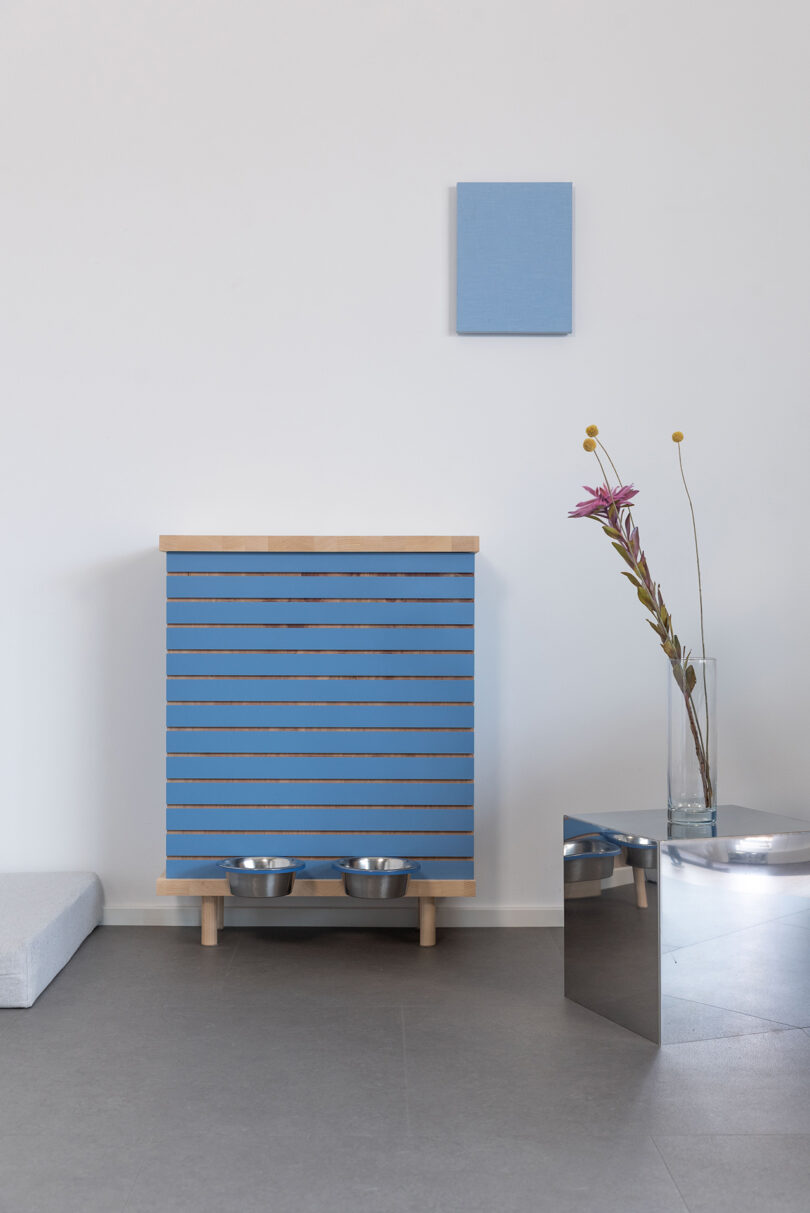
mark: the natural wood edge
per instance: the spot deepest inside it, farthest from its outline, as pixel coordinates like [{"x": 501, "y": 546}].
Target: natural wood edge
[
  {"x": 427, "y": 922},
  {"x": 208, "y": 922},
  {"x": 319, "y": 543},
  {"x": 168, "y": 887}
]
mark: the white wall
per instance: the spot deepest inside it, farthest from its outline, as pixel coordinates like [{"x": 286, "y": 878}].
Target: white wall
[{"x": 226, "y": 294}]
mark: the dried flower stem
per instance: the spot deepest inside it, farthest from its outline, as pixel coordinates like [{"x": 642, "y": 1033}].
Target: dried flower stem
[
  {"x": 700, "y": 593},
  {"x": 625, "y": 539},
  {"x": 697, "y": 551}
]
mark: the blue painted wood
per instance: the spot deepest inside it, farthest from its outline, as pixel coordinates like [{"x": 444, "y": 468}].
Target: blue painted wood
[
  {"x": 319, "y": 819},
  {"x": 379, "y": 676},
  {"x": 305, "y": 766},
  {"x": 318, "y": 869},
  {"x": 369, "y": 665},
  {"x": 268, "y": 585},
  {"x": 319, "y": 638},
  {"x": 321, "y": 716},
  {"x": 320, "y": 562},
  {"x": 191, "y": 610},
  {"x": 266, "y": 793},
  {"x": 320, "y": 690},
  {"x": 337, "y": 741},
  {"x": 447, "y": 846}
]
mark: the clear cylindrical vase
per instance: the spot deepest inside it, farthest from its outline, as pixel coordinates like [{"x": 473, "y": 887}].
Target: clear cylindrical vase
[{"x": 692, "y": 740}]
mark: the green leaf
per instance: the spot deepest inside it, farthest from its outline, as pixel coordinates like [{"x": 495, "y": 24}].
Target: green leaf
[
  {"x": 630, "y": 577},
  {"x": 611, "y": 530},
  {"x": 645, "y": 597},
  {"x": 624, "y": 555},
  {"x": 658, "y": 632}
]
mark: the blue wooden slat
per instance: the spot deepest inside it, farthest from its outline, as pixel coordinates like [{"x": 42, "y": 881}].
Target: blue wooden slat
[
  {"x": 321, "y": 690},
  {"x": 304, "y": 766},
  {"x": 205, "y": 869},
  {"x": 190, "y": 610},
  {"x": 264, "y": 793},
  {"x": 269, "y": 586},
  {"x": 319, "y": 638},
  {"x": 370, "y": 665},
  {"x": 321, "y": 715},
  {"x": 320, "y": 562},
  {"x": 319, "y": 819},
  {"x": 411, "y": 845},
  {"x": 294, "y": 741}
]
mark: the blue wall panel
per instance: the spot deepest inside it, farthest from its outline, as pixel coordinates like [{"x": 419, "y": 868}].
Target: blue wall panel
[{"x": 514, "y": 260}]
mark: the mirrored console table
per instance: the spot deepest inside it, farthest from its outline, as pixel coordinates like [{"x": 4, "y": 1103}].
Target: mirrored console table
[{"x": 699, "y": 932}]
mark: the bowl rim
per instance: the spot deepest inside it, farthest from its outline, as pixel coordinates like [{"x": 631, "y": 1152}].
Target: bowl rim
[
  {"x": 624, "y": 839},
  {"x": 233, "y": 864},
  {"x": 609, "y": 848},
  {"x": 408, "y": 866}
]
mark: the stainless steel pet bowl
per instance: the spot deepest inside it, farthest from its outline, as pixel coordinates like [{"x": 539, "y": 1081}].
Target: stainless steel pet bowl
[
  {"x": 376, "y": 876},
  {"x": 261, "y": 875},
  {"x": 638, "y": 852},
  {"x": 588, "y": 859}
]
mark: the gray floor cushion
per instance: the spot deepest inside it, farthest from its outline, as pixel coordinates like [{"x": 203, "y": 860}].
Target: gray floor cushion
[{"x": 44, "y": 916}]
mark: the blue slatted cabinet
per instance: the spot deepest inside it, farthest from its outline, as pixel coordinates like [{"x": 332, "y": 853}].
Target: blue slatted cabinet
[{"x": 319, "y": 703}]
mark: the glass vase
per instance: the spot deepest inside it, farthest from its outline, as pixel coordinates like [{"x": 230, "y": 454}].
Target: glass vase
[{"x": 692, "y": 740}]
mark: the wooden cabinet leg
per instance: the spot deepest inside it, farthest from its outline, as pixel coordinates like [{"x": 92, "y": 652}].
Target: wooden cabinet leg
[
  {"x": 641, "y": 888},
  {"x": 220, "y": 913},
  {"x": 427, "y": 922},
  {"x": 209, "y": 921}
]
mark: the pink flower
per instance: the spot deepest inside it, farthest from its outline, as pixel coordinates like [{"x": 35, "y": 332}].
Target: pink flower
[{"x": 602, "y": 498}]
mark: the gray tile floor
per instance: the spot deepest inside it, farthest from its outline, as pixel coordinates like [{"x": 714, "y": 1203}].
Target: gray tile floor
[{"x": 345, "y": 1070}]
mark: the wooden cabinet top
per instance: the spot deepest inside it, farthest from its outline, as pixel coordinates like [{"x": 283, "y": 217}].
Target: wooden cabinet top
[{"x": 319, "y": 543}]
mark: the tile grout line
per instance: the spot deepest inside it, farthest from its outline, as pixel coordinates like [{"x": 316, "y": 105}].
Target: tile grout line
[
  {"x": 700, "y": 1040},
  {"x": 669, "y": 1173},
  {"x": 777, "y": 1023},
  {"x": 753, "y": 926},
  {"x": 131, "y": 1192}
]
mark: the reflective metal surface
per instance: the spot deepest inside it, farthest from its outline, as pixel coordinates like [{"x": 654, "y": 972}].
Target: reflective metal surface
[
  {"x": 723, "y": 945},
  {"x": 639, "y": 852},
  {"x": 261, "y": 875},
  {"x": 376, "y": 876},
  {"x": 588, "y": 859}
]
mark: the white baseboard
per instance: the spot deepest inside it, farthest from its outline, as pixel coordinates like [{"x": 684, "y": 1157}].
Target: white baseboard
[{"x": 313, "y": 914}]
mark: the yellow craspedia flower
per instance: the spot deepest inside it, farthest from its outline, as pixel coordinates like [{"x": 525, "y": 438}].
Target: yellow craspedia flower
[
  {"x": 677, "y": 436},
  {"x": 589, "y": 444},
  {"x": 591, "y": 430}
]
